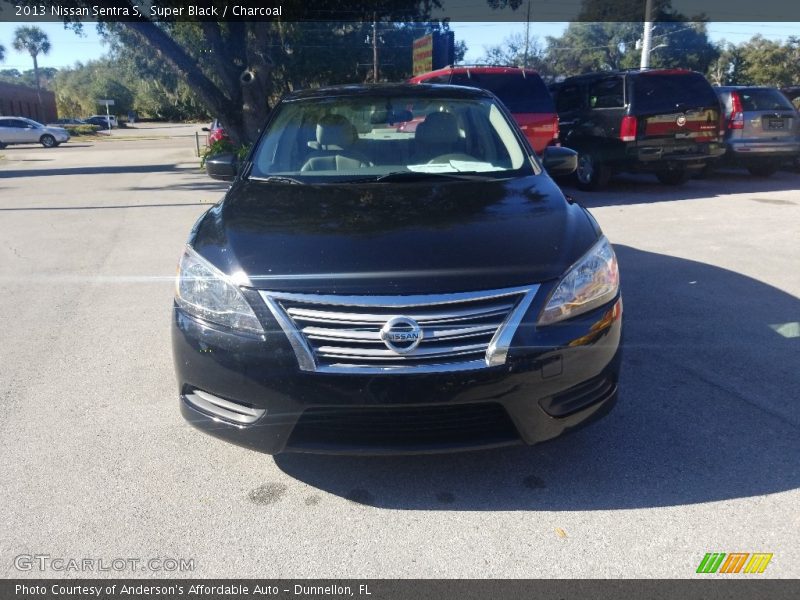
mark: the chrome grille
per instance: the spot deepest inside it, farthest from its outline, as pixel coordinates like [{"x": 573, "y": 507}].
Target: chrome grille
[{"x": 459, "y": 331}]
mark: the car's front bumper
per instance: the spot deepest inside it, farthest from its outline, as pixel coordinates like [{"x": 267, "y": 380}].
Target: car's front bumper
[{"x": 556, "y": 378}]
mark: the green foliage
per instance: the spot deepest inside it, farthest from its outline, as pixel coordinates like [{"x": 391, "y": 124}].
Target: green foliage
[
  {"x": 28, "y": 78},
  {"x": 77, "y": 130},
  {"x": 78, "y": 89},
  {"x": 766, "y": 62},
  {"x": 34, "y": 41},
  {"x": 224, "y": 146},
  {"x": 605, "y": 38},
  {"x": 31, "y": 39}
]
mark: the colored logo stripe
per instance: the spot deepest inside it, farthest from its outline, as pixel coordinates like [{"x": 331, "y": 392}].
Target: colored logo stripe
[
  {"x": 734, "y": 562},
  {"x": 758, "y": 562},
  {"x": 711, "y": 562}
]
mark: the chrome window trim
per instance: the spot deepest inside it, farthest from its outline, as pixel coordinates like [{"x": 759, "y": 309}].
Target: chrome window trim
[{"x": 496, "y": 352}]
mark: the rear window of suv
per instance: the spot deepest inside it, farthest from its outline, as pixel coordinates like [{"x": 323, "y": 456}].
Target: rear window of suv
[
  {"x": 665, "y": 93},
  {"x": 520, "y": 94},
  {"x": 755, "y": 100}
]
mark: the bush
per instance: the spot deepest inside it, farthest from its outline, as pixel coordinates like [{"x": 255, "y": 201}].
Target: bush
[
  {"x": 75, "y": 130},
  {"x": 224, "y": 146}
]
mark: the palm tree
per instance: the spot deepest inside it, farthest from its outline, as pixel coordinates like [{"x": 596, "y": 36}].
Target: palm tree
[{"x": 34, "y": 41}]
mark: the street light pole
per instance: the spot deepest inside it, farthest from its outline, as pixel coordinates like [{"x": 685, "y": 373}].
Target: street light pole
[
  {"x": 374, "y": 48},
  {"x": 647, "y": 35}
]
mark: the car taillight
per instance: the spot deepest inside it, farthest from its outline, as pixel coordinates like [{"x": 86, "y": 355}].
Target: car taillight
[
  {"x": 627, "y": 130},
  {"x": 737, "y": 116},
  {"x": 555, "y": 128}
]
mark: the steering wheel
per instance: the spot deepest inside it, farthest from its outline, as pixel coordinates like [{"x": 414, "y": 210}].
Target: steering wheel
[{"x": 443, "y": 158}]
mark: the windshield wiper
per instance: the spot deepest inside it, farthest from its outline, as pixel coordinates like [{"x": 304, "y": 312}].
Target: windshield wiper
[
  {"x": 401, "y": 175},
  {"x": 278, "y": 179}
]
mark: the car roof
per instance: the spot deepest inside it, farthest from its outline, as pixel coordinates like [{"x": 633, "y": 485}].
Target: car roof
[
  {"x": 488, "y": 69},
  {"x": 394, "y": 89},
  {"x": 729, "y": 88},
  {"x": 633, "y": 72}
]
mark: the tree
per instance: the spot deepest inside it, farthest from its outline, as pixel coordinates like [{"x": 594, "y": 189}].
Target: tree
[
  {"x": 2, "y": 53},
  {"x": 512, "y": 51},
  {"x": 767, "y": 62},
  {"x": 34, "y": 41},
  {"x": 238, "y": 69}
]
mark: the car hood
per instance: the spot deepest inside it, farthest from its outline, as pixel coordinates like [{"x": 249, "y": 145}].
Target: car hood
[{"x": 395, "y": 238}]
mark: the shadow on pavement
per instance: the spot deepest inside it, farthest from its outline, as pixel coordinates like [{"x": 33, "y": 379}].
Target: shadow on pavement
[
  {"x": 707, "y": 411},
  {"x": 645, "y": 189},
  {"x": 111, "y": 170},
  {"x": 165, "y": 205}
]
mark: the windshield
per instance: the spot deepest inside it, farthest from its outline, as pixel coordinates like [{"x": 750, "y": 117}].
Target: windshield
[
  {"x": 35, "y": 124},
  {"x": 366, "y": 138}
]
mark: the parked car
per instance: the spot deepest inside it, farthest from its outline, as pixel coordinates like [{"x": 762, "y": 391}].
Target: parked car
[
  {"x": 521, "y": 90},
  {"x": 762, "y": 128},
  {"x": 216, "y": 132},
  {"x": 21, "y": 130},
  {"x": 103, "y": 121},
  {"x": 62, "y": 122},
  {"x": 663, "y": 121},
  {"x": 363, "y": 289}
]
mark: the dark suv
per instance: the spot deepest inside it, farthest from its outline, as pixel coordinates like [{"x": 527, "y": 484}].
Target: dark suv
[
  {"x": 667, "y": 122},
  {"x": 364, "y": 288},
  {"x": 521, "y": 90}
]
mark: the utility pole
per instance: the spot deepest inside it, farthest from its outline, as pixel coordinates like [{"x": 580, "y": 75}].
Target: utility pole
[
  {"x": 374, "y": 48},
  {"x": 647, "y": 36},
  {"x": 527, "y": 34}
]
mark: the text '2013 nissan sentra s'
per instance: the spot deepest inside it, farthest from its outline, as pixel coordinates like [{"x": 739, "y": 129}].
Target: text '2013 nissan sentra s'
[{"x": 363, "y": 289}]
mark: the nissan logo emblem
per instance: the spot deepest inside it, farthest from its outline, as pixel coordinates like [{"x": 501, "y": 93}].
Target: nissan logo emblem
[{"x": 401, "y": 334}]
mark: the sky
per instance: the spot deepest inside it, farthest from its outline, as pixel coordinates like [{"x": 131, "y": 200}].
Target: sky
[{"x": 69, "y": 47}]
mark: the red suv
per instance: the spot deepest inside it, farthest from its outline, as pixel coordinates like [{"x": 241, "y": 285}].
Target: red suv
[{"x": 521, "y": 90}]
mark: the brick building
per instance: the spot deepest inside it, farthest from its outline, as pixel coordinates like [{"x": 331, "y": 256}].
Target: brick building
[{"x": 22, "y": 101}]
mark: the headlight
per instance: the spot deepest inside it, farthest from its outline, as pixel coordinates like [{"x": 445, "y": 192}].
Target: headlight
[
  {"x": 589, "y": 283},
  {"x": 207, "y": 293}
]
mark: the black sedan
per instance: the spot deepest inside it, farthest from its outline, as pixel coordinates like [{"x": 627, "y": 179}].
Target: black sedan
[{"x": 366, "y": 289}]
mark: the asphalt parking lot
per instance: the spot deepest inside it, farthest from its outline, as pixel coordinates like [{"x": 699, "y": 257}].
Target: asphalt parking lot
[{"x": 700, "y": 455}]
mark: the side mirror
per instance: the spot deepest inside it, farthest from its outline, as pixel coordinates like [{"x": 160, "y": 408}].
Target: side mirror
[
  {"x": 222, "y": 166},
  {"x": 559, "y": 162}
]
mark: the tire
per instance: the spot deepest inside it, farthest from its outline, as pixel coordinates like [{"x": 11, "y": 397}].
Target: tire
[
  {"x": 48, "y": 141},
  {"x": 591, "y": 174},
  {"x": 673, "y": 176},
  {"x": 762, "y": 170}
]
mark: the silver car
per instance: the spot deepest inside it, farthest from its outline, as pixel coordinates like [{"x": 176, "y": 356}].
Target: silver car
[
  {"x": 21, "y": 130},
  {"x": 762, "y": 128}
]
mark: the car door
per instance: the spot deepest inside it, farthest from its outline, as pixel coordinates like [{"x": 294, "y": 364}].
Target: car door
[
  {"x": 5, "y": 131},
  {"x": 29, "y": 133},
  {"x": 15, "y": 131}
]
